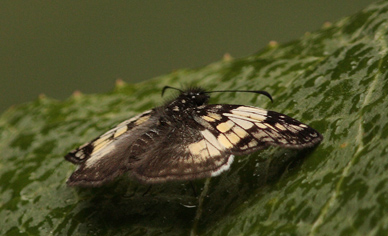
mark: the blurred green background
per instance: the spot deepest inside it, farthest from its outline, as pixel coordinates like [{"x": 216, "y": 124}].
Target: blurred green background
[{"x": 58, "y": 47}]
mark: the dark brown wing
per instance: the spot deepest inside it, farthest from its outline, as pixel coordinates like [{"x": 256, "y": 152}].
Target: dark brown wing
[
  {"x": 180, "y": 153},
  {"x": 106, "y": 157}
]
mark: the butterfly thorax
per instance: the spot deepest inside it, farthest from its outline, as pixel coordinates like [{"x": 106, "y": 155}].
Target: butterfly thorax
[{"x": 187, "y": 101}]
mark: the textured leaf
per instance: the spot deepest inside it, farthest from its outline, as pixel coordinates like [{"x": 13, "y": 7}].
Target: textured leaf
[{"x": 334, "y": 80}]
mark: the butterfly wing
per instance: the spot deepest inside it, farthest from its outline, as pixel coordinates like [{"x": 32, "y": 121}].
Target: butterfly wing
[
  {"x": 202, "y": 146},
  {"x": 245, "y": 129},
  {"x": 106, "y": 157},
  {"x": 205, "y": 145},
  {"x": 180, "y": 152}
]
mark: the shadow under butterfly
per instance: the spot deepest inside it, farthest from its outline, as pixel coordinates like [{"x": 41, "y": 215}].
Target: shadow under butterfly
[{"x": 172, "y": 207}]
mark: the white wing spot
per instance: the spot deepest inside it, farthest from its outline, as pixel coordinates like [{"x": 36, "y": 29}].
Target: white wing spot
[
  {"x": 207, "y": 118},
  {"x": 243, "y": 123},
  {"x": 120, "y": 131},
  {"x": 79, "y": 154},
  {"x": 213, "y": 151},
  {"x": 215, "y": 116},
  {"x": 98, "y": 155},
  {"x": 254, "y": 116},
  {"x": 142, "y": 120},
  {"x": 281, "y": 127},
  {"x": 102, "y": 138},
  {"x": 267, "y": 139},
  {"x": 271, "y": 127},
  {"x": 197, "y": 148},
  {"x": 252, "y": 143},
  {"x": 101, "y": 145},
  {"x": 212, "y": 139},
  {"x": 252, "y": 109},
  {"x": 233, "y": 138},
  {"x": 260, "y": 134},
  {"x": 225, "y": 126},
  {"x": 224, "y": 141},
  {"x": 297, "y": 127},
  {"x": 255, "y": 113},
  {"x": 244, "y": 147},
  {"x": 240, "y": 132},
  {"x": 282, "y": 140},
  {"x": 292, "y": 129},
  {"x": 261, "y": 125}
]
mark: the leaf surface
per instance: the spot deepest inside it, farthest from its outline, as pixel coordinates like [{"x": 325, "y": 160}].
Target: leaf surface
[{"x": 334, "y": 79}]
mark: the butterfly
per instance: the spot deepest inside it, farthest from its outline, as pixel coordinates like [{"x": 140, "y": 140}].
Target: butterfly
[{"x": 185, "y": 139}]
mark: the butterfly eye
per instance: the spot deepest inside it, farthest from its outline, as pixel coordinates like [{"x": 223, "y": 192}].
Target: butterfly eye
[{"x": 200, "y": 98}]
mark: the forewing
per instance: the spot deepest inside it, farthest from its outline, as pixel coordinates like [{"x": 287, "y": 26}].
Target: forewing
[
  {"x": 245, "y": 129},
  {"x": 106, "y": 157}
]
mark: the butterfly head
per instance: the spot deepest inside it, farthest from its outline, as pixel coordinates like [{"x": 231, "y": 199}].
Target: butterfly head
[
  {"x": 191, "y": 97},
  {"x": 195, "y": 96}
]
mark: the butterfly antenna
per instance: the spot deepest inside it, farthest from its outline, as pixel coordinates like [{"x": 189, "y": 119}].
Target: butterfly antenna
[
  {"x": 244, "y": 91},
  {"x": 169, "y": 87}
]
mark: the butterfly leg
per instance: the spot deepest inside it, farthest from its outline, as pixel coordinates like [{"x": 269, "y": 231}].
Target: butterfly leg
[
  {"x": 193, "y": 188},
  {"x": 147, "y": 191}
]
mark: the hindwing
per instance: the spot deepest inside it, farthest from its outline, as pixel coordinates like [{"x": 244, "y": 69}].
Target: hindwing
[{"x": 181, "y": 153}]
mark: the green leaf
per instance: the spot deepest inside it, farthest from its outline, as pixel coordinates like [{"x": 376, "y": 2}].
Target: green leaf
[{"x": 335, "y": 80}]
